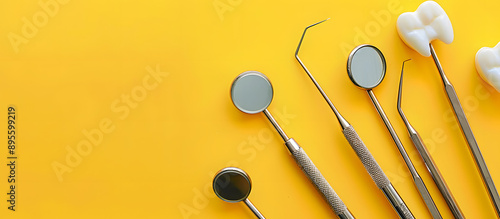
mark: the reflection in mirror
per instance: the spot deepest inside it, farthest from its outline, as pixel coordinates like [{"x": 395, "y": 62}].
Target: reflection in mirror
[
  {"x": 251, "y": 92},
  {"x": 366, "y": 66}
]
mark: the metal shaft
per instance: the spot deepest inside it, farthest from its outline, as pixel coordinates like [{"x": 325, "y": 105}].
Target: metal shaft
[
  {"x": 428, "y": 161},
  {"x": 396, "y": 202},
  {"x": 469, "y": 136},
  {"x": 394, "y": 136},
  {"x": 436, "y": 175},
  {"x": 254, "y": 209},
  {"x": 341, "y": 119},
  {"x": 276, "y": 125},
  {"x": 419, "y": 183}
]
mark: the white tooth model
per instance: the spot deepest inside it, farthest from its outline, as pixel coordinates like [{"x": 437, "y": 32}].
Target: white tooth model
[
  {"x": 427, "y": 23},
  {"x": 488, "y": 65}
]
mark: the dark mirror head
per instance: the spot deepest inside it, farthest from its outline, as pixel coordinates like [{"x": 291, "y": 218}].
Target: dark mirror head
[
  {"x": 232, "y": 184},
  {"x": 251, "y": 92},
  {"x": 366, "y": 66}
]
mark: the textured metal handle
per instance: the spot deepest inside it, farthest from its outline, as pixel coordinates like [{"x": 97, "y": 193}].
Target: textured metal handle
[
  {"x": 317, "y": 179},
  {"x": 366, "y": 157},
  {"x": 376, "y": 172}
]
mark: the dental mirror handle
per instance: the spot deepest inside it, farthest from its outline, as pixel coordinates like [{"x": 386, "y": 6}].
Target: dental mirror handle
[
  {"x": 419, "y": 183},
  {"x": 376, "y": 173},
  {"x": 436, "y": 175},
  {"x": 394, "y": 136},
  {"x": 308, "y": 167},
  {"x": 469, "y": 136},
  {"x": 254, "y": 209}
]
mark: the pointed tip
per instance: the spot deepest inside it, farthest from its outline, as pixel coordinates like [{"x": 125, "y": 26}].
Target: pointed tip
[
  {"x": 324, "y": 20},
  {"x": 403, "y": 65},
  {"x": 317, "y": 23}
]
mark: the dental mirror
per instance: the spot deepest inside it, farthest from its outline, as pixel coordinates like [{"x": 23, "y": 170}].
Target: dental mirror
[
  {"x": 366, "y": 66},
  {"x": 253, "y": 92},
  {"x": 233, "y": 185}
]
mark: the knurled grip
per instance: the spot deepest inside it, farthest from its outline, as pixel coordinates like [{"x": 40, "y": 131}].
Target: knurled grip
[
  {"x": 317, "y": 178},
  {"x": 376, "y": 172},
  {"x": 366, "y": 157}
]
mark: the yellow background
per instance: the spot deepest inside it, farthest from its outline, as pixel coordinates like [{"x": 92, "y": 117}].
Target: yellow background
[{"x": 159, "y": 159}]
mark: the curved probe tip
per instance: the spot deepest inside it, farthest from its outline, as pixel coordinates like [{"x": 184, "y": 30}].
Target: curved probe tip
[
  {"x": 400, "y": 91},
  {"x": 303, "y": 34}
]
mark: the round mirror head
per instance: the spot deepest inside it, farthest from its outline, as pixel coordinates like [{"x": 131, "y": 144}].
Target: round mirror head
[
  {"x": 232, "y": 184},
  {"x": 251, "y": 92},
  {"x": 366, "y": 66}
]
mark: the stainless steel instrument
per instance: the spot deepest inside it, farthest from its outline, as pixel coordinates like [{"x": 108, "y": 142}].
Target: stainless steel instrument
[
  {"x": 426, "y": 157},
  {"x": 369, "y": 162},
  {"x": 469, "y": 136},
  {"x": 232, "y": 184},
  {"x": 252, "y": 92},
  {"x": 366, "y": 68}
]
